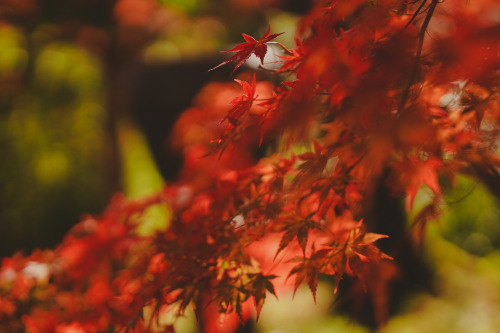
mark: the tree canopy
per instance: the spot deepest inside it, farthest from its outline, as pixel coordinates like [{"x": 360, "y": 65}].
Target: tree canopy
[{"x": 377, "y": 102}]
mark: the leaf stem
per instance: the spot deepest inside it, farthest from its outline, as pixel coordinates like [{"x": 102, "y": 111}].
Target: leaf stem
[
  {"x": 421, "y": 37},
  {"x": 414, "y": 16}
]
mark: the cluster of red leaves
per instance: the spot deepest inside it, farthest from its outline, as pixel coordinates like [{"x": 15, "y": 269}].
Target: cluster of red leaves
[
  {"x": 364, "y": 93},
  {"x": 251, "y": 46}
]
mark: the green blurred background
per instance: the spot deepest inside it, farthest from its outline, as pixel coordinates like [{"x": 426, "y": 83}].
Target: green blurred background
[
  {"x": 89, "y": 90},
  {"x": 79, "y": 78}
]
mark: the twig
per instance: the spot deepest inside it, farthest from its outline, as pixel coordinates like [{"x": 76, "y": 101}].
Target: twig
[
  {"x": 417, "y": 12},
  {"x": 350, "y": 168},
  {"x": 421, "y": 36}
]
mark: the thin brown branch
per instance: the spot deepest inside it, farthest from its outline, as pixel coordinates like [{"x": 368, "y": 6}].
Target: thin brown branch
[
  {"x": 417, "y": 12},
  {"x": 421, "y": 37}
]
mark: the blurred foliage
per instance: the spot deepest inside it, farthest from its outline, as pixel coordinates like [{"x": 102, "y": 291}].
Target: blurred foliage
[
  {"x": 141, "y": 177},
  {"x": 299, "y": 313},
  {"x": 466, "y": 297},
  {"x": 473, "y": 219},
  {"x": 57, "y": 63},
  {"x": 66, "y": 78},
  {"x": 53, "y": 143}
]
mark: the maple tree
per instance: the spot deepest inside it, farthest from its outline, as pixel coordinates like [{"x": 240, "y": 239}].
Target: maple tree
[{"x": 394, "y": 94}]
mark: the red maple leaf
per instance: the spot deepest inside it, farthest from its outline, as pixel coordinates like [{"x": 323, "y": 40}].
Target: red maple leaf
[
  {"x": 422, "y": 172},
  {"x": 293, "y": 57},
  {"x": 242, "y": 104},
  {"x": 245, "y": 50}
]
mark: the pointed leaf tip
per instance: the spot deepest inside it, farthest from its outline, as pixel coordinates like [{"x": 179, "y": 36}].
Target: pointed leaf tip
[
  {"x": 251, "y": 46},
  {"x": 371, "y": 237}
]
